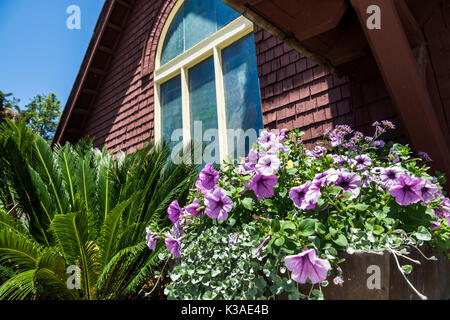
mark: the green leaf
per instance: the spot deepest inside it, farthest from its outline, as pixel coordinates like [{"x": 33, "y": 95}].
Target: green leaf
[
  {"x": 341, "y": 241},
  {"x": 360, "y": 207},
  {"x": 377, "y": 229},
  {"x": 248, "y": 203},
  {"x": 276, "y": 289},
  {"x": 295, "y": 295},
  {"x": 288, "y": 226},
  {"x": 423, "y": 234},
  {"x": 279, "y": 242},
  {"x": 407, "y": 269},
  {"x": 307, "y": 227},
  {"x": 275, "y": 224},
  {"x": 261, "y": 283}
]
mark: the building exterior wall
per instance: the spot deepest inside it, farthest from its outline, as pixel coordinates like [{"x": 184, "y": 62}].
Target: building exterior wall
[
  {"x": 437, "y": 35},
  {"x": 295, "y": 92}
]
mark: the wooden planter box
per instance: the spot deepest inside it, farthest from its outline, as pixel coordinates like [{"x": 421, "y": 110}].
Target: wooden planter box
[{"x": 430, "y": 278}]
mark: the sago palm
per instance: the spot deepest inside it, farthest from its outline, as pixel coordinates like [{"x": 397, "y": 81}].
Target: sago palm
[{"x": 85, "y": 208}]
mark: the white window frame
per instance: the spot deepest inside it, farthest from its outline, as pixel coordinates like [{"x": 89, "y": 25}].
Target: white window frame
[{"x": 211, "y": 46}]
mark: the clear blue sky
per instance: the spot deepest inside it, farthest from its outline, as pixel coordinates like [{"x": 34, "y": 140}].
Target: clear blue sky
[{"x": 38, "y": 53}]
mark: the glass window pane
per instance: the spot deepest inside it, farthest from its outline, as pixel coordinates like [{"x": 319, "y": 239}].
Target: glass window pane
[
  {"x": 224, "y": 14},
  {"x": 199, "y": 22},
  {"x": 242, "y": 95},
  {"x": 172, "y": 118},
  {"x": 174, "y": 42},
  {"x": 203, "y": 103}
]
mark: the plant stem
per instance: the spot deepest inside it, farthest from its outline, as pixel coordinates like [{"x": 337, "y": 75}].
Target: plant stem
[
  {"x": 159, "y": 278},
  {"x": 421, "y": 296}
]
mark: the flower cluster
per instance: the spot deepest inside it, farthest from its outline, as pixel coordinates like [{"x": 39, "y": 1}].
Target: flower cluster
[{"x": 350, "y": 192}]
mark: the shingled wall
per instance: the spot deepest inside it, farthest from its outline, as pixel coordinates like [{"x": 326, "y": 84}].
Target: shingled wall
[{"x": 297, "y": 93}]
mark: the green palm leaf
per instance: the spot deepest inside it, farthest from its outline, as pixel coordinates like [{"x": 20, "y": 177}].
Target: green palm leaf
[
  {"x": 71, "y": 230},
  {"x": 19, "y": 250},
  {"x": 18, "y": 287}
]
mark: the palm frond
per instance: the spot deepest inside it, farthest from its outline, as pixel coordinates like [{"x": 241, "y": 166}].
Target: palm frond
[
  {"x": 18, "y": 250},
  {"x": 19, "y": 287},
  {"x": 46, "y": 166},
  {"x": 71, "y": 231}
]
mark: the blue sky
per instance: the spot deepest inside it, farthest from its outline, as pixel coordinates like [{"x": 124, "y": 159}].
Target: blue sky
[{"x": 38, "y": 53}]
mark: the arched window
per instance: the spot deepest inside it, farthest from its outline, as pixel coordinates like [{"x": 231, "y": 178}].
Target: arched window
[{"x": 206, "y": 80}]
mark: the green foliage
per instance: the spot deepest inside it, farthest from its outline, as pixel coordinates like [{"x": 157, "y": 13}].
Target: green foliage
[
  {"x": 42, "y": 115},
  {"x": 80, "y": 206},
  {"x": 214, "y": 269}
]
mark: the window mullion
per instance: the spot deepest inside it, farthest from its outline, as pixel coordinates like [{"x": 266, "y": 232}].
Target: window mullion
[
  {"x": 221, "y": 112},
  {"x": 157, "y": 114},
  {"x": 186, "y": 112}
]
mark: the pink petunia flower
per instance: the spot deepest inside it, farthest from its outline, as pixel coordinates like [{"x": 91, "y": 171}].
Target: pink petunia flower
[
  {"x": 207, "y": 179},
  {"x": 405, "y": 190},
  {"x": 307, "y": 266},
  {"x": 218, "y": 205},
  {"x": 174, "y": 211},
  {"x": 263, "y": 185}
]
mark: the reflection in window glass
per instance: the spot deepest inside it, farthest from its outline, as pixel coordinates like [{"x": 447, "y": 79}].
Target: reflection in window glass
[
  {"x": 199, "y": 21},
  {"x": 224, "y": 14},
  {"x": 242, "y": 96},
  {"x": 195, "y": 21},
  {"x": 203, "y": 102},
  {"x": 174, "y": 42},
  {"x": 172, "y": 119}
]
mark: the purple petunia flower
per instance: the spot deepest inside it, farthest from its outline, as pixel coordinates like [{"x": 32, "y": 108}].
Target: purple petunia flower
[
  {"x": 218, "y": 204},
  {"x": 390, "y": 175},
  {"x": 261, "y": 245},
  {"x": 444, "y": 212},
  {"x": 177, "y": 230},
  {"x": 435, "y": 225},
  {"x": 342, "y": 160},
  {"x": 363, "y": 162},
  {"x": 253, "y": 157},
  {"x": 321, "y": 179},
  {"x": 281, "y": 134},
  {"x": 268, "y": 164},
  {"x": 263, "y": 185},
  {"x": 174, "y": 211},
  {"x": 427, "y": 190},
  {"x": 405, "y": 190},
  {"x": 173, "y": 245},
  {"x": 265, "y": 138},
  {"x": 207, "y": 179},
  {"x": 350, "y": 182},
  {"x": 299, "y": 196},
  {"x": 307, "y": 266},
  {"x": 151, "y": 239},
  {"x": 193, "y": 208}
]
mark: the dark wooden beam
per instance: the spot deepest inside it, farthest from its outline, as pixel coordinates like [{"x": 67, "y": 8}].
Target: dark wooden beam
[
  {"x": 89, "y": 91},
  {"x": 412, "y": 28},
  {"x": 114, "y": 27},
  {"x": 80, "y": 111},
  {"x": 74, "y": 131},
  {"x": 399, "y": 69},
  {"x": 98, "y": 71},
  {"x": 106, "y": 50},
  {"x": 124, "y": 4}
]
